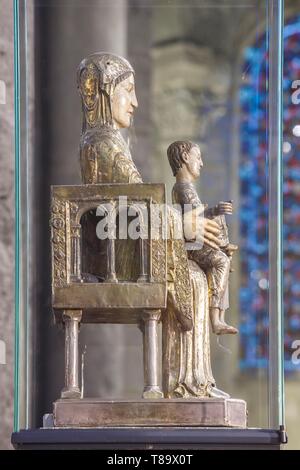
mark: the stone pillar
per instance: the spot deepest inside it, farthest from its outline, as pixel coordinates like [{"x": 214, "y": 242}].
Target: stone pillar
[
  {"x": 189, "y": 100},
  {"x": 141, "y": 138},
  {"x": 6, "y": 222},
  {"x": 66, "y": 32}
]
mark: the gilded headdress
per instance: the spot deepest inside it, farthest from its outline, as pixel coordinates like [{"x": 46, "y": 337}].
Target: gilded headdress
[{"x": 97, "y": 77}]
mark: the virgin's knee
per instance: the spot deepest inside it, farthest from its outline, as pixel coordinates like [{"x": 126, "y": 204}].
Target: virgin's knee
[{"x": 222, "y": 260}]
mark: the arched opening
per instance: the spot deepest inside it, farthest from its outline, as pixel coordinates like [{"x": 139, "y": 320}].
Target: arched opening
[{"x": 114, "y": 244}]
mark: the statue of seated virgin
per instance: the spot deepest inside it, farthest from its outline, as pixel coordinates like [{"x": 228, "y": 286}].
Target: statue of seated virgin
[{"x": 106, "y": 83}]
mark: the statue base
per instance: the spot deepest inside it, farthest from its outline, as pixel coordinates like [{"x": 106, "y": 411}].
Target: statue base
[{"x": 94, "y": 413}]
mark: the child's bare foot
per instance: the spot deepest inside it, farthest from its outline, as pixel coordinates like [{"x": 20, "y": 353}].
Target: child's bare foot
[
  {"x": 224, "y": 329},
  {"x": 227, "y": 329},
  {"x": 218, "y": 324}
]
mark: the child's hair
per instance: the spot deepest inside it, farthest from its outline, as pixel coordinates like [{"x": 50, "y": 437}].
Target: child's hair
[{"x": 175, "y": 151}]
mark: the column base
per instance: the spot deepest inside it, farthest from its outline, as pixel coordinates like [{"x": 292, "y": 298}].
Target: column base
[
  {"x": 70, "y": 393},
  {"x": 152, "y": 392}
]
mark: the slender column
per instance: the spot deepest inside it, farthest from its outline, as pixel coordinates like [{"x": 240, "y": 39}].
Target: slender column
[
  {"x": 111, "y": 251},
  {"x": 150, "y": 346},
  {"x": 143, "y": 277},
  {"x": 71, "y": 320},
  {"x": 111, "y": 262},
  {"x": 75, "y": 253}
]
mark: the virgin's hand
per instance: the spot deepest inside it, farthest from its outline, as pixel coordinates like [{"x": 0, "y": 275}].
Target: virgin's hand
[
  {"x": 198, "y": 228},
  {"x": 211, "y": 230}
]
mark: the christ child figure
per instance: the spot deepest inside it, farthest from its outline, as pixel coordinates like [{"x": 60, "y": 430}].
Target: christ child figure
[{"x": 214, "y": 255}]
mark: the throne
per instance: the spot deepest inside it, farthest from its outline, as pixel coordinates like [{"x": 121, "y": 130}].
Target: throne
[
  {"x": 98, "y": 295},
  {"x": 89, "y": 285}
]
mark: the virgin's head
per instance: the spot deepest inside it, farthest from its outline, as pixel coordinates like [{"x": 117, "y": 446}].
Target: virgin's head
[{"x": 107, "y": 89}]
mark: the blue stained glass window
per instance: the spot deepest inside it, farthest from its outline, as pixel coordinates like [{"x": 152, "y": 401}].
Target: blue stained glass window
[{"x": 254, "y": 199}]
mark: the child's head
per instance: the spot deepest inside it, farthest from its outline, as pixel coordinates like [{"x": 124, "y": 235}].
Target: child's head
[{"x": 185, "y": 156}]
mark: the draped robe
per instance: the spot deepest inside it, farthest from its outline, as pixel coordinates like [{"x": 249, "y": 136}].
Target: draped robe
[{"x": 105, "y": 158}]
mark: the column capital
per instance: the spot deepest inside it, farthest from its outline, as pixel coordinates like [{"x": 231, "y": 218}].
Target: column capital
[
  {"x": 74, "y": 315},
  {"x": 151, "y": 314}
]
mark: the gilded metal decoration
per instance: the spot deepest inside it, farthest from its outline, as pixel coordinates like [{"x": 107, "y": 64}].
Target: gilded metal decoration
[
  {"x": 59, "y": 248},
  {"x": 106, "y": 300},
  {"x": 213, "y": 257},
  {"x": 140, "y": 280},
  {"x": 105, "y": 157}
]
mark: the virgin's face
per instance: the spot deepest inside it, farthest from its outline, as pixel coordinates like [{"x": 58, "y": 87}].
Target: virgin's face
[
  {"x": 194, "y": 162},
  {"x": 124, "y": 102}
]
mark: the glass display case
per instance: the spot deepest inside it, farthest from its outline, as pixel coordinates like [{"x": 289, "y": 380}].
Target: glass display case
[{"x": 206, "y": 73}]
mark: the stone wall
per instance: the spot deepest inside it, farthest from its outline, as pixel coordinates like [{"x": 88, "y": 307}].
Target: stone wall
[{"x": 6, "y": 220}]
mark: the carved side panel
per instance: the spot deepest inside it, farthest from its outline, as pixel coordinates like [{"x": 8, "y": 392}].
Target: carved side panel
[
  {"x": 158, "y": 253},
  {"x": 158, "y": 246},
  {"x": 58, "y": 243},
  {"x": 74, "y": 257}
]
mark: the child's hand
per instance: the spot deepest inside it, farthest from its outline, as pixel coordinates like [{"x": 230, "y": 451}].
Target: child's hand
[
  {"x": 224, "y": 207},
  {"x": 230, "y": 249}
]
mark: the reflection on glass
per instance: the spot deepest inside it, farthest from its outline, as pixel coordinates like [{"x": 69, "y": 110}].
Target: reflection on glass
[{"x": 201, "y": 75}]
